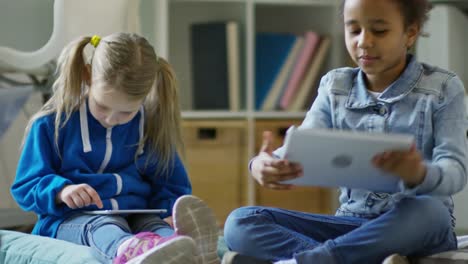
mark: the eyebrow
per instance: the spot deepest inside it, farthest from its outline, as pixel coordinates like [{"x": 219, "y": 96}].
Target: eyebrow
[{"x": 371, "y": 21}]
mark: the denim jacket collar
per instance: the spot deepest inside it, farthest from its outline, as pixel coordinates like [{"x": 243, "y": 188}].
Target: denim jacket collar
[{"x": 359, "y": 97}]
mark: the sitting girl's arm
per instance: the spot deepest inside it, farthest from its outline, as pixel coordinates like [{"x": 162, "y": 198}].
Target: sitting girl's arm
[
  {"x": 446, "y": 173},
  {"x": 37, "y": 184}
]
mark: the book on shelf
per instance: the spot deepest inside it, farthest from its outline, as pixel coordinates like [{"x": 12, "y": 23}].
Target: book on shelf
[
  {"x": 215, "y": 65},
  {"x": 276, "y": 89},
  {"x": 271, "y": 52},
  {"x": 307, "y": 90},
  {"x": 306, "y": 55},
  {"x": 233, "y": 65}
]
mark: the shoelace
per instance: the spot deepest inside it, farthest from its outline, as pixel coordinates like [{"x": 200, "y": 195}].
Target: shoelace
[{"x": 140, "y": 243}]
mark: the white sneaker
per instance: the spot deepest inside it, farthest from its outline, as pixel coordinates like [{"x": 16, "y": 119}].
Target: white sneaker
[
  {"x": 396, "y": 259},
  {"x": 193, "y": 218},
  {"x": 178, "y": 250}
]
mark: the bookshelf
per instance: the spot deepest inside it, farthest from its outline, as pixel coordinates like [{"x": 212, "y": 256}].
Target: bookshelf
[{"x": 173, "y": 20}]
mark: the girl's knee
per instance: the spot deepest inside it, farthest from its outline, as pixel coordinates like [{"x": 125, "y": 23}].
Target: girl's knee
[
  {"x": 236, "y": 217},
  {"x": 425, "y": 210},
  {"x": 236, "y": 229}
]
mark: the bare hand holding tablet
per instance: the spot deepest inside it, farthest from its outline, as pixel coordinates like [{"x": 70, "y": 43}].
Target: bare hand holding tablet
[{"x": 337, "y": 158}]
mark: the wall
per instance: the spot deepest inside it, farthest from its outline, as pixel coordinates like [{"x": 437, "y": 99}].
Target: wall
[{"x": 445, "y": 45}]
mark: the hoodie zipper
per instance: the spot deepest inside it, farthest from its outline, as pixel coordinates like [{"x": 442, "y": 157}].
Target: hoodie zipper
[{"x": 108, "y": 154}]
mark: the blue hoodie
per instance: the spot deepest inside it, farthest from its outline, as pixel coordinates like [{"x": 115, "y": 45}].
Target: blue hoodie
[{"x": 103, "y": 158}]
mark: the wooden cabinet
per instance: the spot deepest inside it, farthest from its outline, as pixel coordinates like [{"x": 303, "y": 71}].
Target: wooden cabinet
[{"x": 216, "y": 163}]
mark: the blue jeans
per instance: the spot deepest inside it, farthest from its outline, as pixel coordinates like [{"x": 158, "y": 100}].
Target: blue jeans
[
  {"x": 104, "y": 233},
  {"x": 416, "y": 226}
]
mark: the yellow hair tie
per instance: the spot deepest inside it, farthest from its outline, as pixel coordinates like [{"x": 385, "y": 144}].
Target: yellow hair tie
[{"x": 95, "y": 40}]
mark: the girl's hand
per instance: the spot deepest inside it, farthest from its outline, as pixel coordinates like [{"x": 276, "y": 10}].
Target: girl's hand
[
  {"x": 269, "y": 171},
  {"x": 78, "y": 196},
  {"x": 408, "y": 165},
  {"x": 169, "y": 221}
]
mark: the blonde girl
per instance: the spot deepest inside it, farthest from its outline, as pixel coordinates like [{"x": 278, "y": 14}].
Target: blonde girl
[{"x": 109, "y": 138}]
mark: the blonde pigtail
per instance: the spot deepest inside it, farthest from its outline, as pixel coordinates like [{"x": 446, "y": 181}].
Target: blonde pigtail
[
  {"x": 162, "y": 110},
  {"x": 67, "y": 88}
]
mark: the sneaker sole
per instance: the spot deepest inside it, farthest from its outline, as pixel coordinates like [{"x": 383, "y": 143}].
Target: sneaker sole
[
  {"x": 193, "y": 218},
  {"x": 395, "y": 259},
  {"x": 180, "y": 250}
]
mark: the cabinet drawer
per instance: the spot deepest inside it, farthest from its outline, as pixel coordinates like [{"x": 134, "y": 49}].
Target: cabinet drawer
[{"x": 216, "y": 163}]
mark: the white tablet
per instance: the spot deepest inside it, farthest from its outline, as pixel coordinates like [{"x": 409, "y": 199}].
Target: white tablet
[
  {"x": 134, "y": 211},
  {"x": 339, "y": 158}
]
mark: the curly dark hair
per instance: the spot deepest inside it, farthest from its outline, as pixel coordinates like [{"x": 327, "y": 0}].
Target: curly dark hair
[{"x": 413, "y": 11}]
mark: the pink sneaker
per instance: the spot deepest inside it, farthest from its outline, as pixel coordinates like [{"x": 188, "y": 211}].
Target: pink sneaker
[
  {"x": 193, "y": 218},
  {"x": 147, "y": 247}
]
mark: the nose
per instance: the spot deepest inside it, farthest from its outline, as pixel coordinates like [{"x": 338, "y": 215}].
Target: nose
[{"x": 365, "y": 40}]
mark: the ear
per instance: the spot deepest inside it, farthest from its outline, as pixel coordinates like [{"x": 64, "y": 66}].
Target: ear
[
  {"x": 412, "y": 33},
  {"x": 87, "y": 77}
]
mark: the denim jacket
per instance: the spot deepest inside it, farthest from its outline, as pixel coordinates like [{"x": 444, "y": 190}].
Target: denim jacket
[{"x": 425, "y": 101}]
